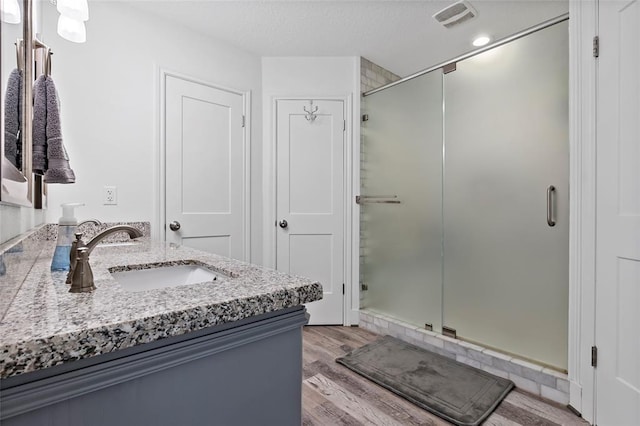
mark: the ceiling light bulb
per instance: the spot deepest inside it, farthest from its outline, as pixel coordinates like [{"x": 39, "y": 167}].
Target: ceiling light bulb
[
  {"x": 74, "y": 9},
  {"x": 10, "y": 11},
  {"x": 72, "y": 29},
  {"x": 481, "y": 41}
]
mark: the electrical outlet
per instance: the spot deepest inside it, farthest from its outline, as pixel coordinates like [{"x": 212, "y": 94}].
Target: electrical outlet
[{"x": 110, "y": 196}]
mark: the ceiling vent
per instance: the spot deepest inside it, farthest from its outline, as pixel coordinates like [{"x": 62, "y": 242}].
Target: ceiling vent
[{"x": 455, "y": 14}]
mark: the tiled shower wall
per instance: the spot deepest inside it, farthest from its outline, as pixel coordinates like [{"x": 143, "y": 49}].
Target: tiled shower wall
[{"x": 372, "y": 76}]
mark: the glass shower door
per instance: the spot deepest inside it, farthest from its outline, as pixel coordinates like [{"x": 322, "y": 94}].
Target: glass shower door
[
  {"x": 401, "y": 202},
  {"x": 506, "y": 197}
]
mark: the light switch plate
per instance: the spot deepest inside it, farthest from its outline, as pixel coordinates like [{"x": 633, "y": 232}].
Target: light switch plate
[{"x": 110, "y": 195}]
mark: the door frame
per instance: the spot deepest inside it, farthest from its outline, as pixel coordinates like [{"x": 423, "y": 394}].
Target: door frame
[
  {"x": 269, "y": 193},
  {"x": 159, "y": 230},
  {"x": 584, "y": 95},
  {"x": 583, "y": 26}
]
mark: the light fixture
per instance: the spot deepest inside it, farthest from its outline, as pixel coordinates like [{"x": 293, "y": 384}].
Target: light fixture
[
  {"x": 73, "y": 14},
  {"x": 481, "y": 40},
  {"x": 72, "y": 29},
  {"x": 10, "y": 11},
  {"x": 74, "y": 9}
]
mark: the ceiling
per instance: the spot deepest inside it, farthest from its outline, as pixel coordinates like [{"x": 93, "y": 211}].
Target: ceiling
[{"x": 399, "y": 35}]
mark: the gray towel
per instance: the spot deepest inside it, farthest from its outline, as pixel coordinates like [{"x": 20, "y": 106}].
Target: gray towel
[
  {"x": 39, "y": 124},
  {"x": 13, "y": 118},
  {"x": 57, "y": 169}
]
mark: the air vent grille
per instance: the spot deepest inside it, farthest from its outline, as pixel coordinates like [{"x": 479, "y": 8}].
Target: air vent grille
[{"x": 455, "y": 14}]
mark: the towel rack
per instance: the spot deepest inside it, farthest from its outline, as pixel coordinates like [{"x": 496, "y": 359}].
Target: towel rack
[
  {"x": 46, "y": 57},
  {"x": 47, "y": 62},
  {"x": 20, "y": 54},
  {"x": 37, "y": 44},
  {"x": 377, "y": 199}
]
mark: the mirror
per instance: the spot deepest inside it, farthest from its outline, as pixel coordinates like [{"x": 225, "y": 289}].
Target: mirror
[{"x": 15, "y": 186}]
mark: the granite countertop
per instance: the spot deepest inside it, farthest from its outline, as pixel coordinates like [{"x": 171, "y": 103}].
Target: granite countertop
[{"x": 45, "y": 325}]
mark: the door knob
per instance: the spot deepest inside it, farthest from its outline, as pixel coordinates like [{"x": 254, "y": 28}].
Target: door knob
[
  {"x": 174, "y": 226},
  {"x": 283, "y": 224}
]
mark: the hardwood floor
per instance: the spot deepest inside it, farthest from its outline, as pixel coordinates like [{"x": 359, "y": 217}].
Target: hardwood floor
[{"x": 334, "y": 395}]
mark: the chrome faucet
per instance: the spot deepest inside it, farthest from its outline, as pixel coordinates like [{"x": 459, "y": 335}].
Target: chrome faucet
[{"x": 80, "y": 274}]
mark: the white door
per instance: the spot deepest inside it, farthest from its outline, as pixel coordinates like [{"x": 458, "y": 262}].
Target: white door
[
  {"x": 205, "y": 167},
  {"x": 310, "y": 199},
  {"x": 618, "y": 215}
]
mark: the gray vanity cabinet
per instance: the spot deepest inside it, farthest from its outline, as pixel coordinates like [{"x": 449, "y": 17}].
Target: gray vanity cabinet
[{"x": 247, "y": 372}]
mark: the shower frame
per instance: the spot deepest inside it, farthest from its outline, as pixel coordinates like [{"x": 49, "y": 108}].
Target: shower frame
[{"x": 446, "y": 66}]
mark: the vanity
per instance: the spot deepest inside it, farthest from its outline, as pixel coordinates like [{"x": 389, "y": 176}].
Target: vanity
[{"x": 226, "y": 351}]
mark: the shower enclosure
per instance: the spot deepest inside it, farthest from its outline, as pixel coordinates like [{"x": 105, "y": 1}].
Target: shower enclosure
[{"x": 465, "y": 199}]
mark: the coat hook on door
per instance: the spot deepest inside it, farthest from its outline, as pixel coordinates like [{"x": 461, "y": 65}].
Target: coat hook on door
[{"x": 310, "y": 113}]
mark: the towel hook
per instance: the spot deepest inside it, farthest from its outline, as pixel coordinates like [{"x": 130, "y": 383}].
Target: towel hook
[
  {"x": 310, "y": 113},
  {"x": 47, "y": 61},
  {"x": 46, "y": 56},
  {"x": 20, "y": 54}
]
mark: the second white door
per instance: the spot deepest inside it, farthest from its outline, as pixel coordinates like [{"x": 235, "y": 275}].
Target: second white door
[
  {"x": 618, "y": 215},
  {"x": 310, "y": 145},
  {"x": 205, "y": 167}
]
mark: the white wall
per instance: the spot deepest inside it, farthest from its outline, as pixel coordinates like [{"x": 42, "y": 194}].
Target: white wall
[
  {"x": 309, "y": 76},
  {"x": 109, "y": 92},
  {"x": 306, "y": 77}
]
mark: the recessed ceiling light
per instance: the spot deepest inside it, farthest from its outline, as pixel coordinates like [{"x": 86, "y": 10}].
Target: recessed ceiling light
[{"x": 481, "y": 41}]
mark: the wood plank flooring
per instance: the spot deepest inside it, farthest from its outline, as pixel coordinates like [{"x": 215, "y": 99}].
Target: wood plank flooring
[{"x": 334, "y": 395}]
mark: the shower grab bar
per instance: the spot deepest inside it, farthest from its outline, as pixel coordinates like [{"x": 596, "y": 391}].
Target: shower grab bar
[
  {"x": 377, "y": 199},
  {"x": 551, "y": 221}
]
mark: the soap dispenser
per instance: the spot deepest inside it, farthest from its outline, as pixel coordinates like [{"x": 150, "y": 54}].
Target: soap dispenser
[{"x": 66, "y": 227}]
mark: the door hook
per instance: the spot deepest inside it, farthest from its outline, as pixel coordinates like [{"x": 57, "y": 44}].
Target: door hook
[{"x": 310, "y": 113}]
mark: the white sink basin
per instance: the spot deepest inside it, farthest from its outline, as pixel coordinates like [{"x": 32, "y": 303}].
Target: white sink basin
[{"x": 163, "y": 277}]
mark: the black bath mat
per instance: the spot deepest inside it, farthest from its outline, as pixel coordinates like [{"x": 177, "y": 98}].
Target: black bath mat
[{"x": 459, "y": 393}]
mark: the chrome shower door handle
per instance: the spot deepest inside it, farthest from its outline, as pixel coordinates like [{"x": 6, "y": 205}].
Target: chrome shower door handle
[
  {"x": 174, "y": 226},
  {"x": 551, "y": 221}
]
